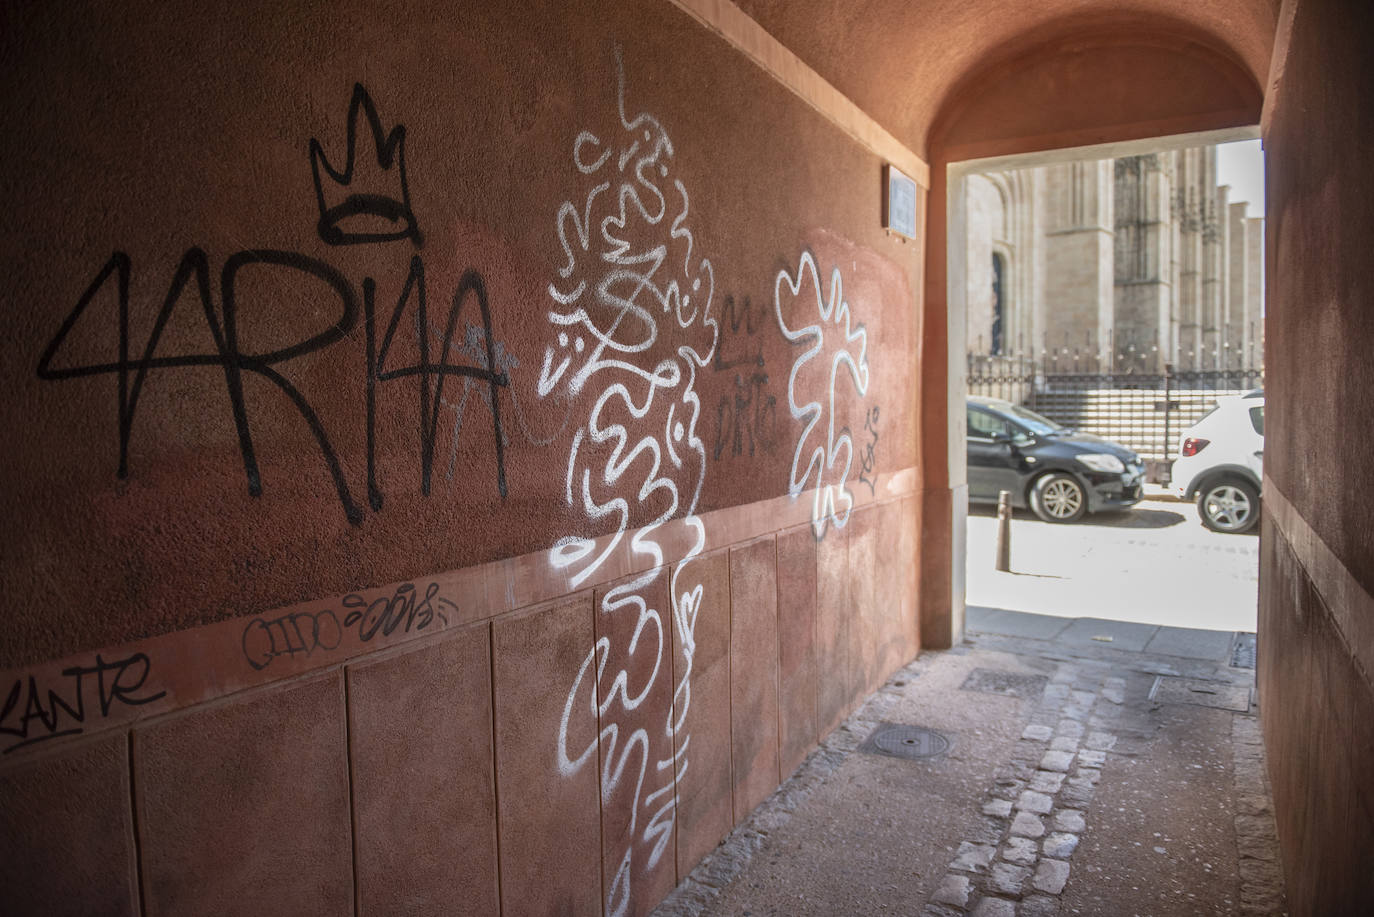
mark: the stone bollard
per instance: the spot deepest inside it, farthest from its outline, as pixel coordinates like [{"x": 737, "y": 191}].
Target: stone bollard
[{"x": 1004, "y": 531}]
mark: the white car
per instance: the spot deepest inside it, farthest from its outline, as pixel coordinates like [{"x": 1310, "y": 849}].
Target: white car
[{"x": 1219, "y": 463}]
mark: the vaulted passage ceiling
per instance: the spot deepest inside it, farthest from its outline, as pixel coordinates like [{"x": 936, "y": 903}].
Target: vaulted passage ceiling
[{"x": 903, "y": 61}]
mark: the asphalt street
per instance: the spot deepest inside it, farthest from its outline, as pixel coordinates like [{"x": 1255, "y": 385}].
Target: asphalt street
[{"x": 1153, "y": 564}]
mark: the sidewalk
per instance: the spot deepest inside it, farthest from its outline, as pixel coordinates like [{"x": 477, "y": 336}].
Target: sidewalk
[
  {"x": 1154, "y": 563},
  {"x": 1039, "y": 769}
]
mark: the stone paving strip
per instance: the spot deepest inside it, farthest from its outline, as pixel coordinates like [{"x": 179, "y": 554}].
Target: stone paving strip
[
  {"x": 1017, "y": 858},
  {"x": 1261, "y": 872},
  {"x": 1033, "y": 816}
]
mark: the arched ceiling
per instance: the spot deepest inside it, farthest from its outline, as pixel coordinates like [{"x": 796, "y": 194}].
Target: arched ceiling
[{"x": 902, "y": 61}]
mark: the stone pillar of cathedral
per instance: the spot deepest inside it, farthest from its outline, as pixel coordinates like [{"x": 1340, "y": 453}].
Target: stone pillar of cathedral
[
  {"x": 1188, "y": 228},
  {"x": 1222, "y": 255},
  {"x": 1235, "y": 344},
  {"x": 1213, "y": 268},
  {"x": 1254, "y": 300},
  {"x": 1143, "y": 255},
  {"x": 1078, "y": 265}
]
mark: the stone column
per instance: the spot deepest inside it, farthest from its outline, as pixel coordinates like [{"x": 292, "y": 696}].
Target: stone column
[
  {"x": 1239, "y": 291},
  {"x": 1254, "y": 299},
  {"x": 1143, "y": 254},
  {"x": 1078, "y": 264}
]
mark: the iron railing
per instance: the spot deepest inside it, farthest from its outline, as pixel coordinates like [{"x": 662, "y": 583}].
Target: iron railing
[{"x": 1142, "y": 410}]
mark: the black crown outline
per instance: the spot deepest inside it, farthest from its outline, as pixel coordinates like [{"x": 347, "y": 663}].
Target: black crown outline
[{"x": 391, "y": 148}]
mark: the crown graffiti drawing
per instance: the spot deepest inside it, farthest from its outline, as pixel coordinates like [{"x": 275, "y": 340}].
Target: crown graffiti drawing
[{"x": 365, "y": 204}]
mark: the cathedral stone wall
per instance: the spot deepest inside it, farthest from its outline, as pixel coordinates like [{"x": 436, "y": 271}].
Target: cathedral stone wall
[{"x": 1132, "y": 263}]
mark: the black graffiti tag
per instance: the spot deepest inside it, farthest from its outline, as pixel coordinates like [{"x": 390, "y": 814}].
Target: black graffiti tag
[
  {"x": 33, "y": 714},
  {"x": 868, "y": 457},
  {"x": 291, "y": 634},
  {"x": 746, "y": 418},
  {"x": 360, "y": 216},
  {"x": 399, "y": 610}
]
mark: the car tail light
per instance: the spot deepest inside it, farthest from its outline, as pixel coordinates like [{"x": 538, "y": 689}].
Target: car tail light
[{"x": 1192, "y": 445}]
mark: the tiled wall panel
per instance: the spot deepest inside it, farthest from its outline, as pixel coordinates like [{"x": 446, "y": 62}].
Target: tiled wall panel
[
  {"x": 754, "y": 672},
  {"x": 66, "y": 833},
  {"x": 548, "y": 810},
  {"x": 423, "y": 783},
  {"x": 704, "y": 813},
  {"x": 243, "y": 807},
  {"x": 796, "y": 647}
]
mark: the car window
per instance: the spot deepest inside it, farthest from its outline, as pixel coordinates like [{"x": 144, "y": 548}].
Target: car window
[
  {"x": 981, "y": 424},
  {"x": 1033, "y": 421},
  {"x": 1257, "y": 419}
]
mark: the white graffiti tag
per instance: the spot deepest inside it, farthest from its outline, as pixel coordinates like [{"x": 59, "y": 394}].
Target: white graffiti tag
[
  {"x": 631, "y": 321},
  {"x": 843, "y": 349}
]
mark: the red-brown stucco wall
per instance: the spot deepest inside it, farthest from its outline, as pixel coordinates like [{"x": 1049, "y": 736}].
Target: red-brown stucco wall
[
  {"x": 1317, "y": 569},
  {"x": 289, "y": 608},
  {"x": 150, "y": 134}
]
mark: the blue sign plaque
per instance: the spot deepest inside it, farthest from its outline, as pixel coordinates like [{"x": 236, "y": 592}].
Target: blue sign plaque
[{"x": 899, "y": 207}]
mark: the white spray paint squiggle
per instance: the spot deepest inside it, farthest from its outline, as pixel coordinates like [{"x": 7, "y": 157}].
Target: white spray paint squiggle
[
  {"x": 833, "y": 501},
  {"x": 632, "y": 326}
]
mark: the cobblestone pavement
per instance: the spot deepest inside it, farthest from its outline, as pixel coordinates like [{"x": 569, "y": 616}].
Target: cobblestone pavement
[{"x": 1081, "y": 777}]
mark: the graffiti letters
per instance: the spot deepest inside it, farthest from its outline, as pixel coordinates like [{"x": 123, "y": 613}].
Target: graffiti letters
[
  {"x": 354, "y": 210},
  {"x": 295, "y": 633},
  {"x": 399, "y": 610},
  {"x": 746, "y": 418},
  {"x": 868, "y": 457},
  {"x": 35, "y": 713},
  {"x": 302, "y": 633},
  {"x": 822, "y": 463}
]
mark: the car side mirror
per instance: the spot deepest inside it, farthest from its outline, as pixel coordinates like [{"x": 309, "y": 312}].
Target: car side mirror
[{"x": 999, "y": 436}]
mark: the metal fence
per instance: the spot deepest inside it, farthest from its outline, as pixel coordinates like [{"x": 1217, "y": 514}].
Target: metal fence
[{"x": 1141, "y": 410}]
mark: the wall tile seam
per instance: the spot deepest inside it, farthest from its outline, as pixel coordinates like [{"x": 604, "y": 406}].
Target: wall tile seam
[
  {"x": 730, "y": 676},
  {"x": 136, "y": 846},
  {"x": 777, "y": 654},
  {"x": 750, "y": 39},
  {"x": 496, "y": 771},
  {"x": 350, "y": 796},
  {"x": 129, "y": 728},
  {"x": 1345, "y": 601},
  {"x": 600, "y": 766}
]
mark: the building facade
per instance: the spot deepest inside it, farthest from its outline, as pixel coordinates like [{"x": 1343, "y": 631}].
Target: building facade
[{"x": 1115, "y": 265}]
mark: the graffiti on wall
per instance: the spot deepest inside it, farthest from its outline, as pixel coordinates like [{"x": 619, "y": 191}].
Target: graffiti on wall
[
  {"x": 85, "y": 694},
  {"x": 747, "y": 416},
  {"x": 868, "y": 456},
  {"x": 360, "y": 620},
  {"x": 631, "y": 321},
  {"x": 365, "y": 202},
  {"x": 836, "y": 355}
]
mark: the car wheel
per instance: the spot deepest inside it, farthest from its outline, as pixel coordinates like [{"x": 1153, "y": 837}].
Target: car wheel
[
  {"x": 1229, "y": 505},
  {"x": 1058, "y": 497}
]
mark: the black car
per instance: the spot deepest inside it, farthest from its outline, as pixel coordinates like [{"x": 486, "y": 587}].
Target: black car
[{"x": 1059, "y": 473}]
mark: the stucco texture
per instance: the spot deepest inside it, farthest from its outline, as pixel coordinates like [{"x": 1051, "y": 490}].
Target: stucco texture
[{"x": 219, "y": 391}]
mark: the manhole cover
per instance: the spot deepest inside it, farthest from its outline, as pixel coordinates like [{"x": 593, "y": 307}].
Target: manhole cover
[
  {"x": 1202, "y": 693},
  {"x": 1243, "y": 656},
  {"x": 901, "y": 741},
  {"x": 1008, "y": 684}
]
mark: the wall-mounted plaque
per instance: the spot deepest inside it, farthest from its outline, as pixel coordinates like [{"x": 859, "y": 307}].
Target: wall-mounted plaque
[{"x": 899, "y": 202}]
